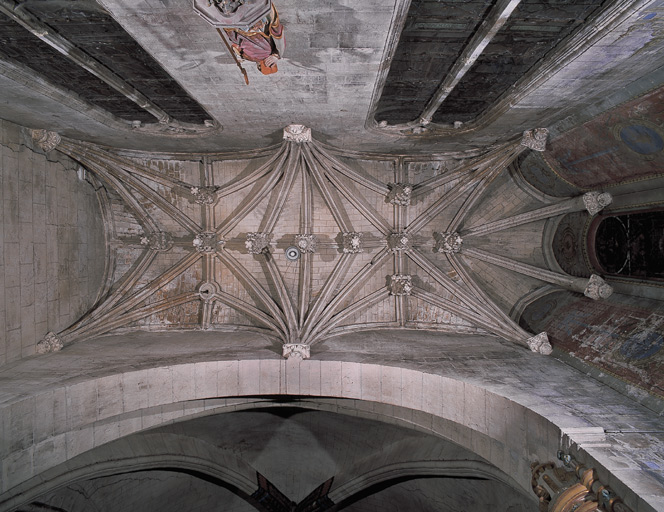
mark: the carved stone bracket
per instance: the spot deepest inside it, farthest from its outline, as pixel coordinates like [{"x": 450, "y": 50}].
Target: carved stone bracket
[
  {"x": 401, "y": 284},
  {"x": 204, "y": 195},
  {"x": 50, "y": 343},
  {"x": 159, "y": 241},
  {"x": 535, "y": 139},
  {"x": 449, "y": 243},
  {"x": 540, "y": 344},
  {"x": 297, "y": 351},
  {"x": 597, "y": 288},
  {"x": 258, "y": 243},
  {"x": 46, "y": 140},
  {"x": 398, "y": 242},
  {"x": 399, "y": 193},
  {"x": 297, "y": 133},
  {"x": 352, "y": 242},
  {"x": 306, "y": 243},
  {"x": 595, "y": 202},
  {"x": 207, "y": 242}
]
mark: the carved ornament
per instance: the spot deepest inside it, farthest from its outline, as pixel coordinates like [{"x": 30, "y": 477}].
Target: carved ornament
[
  {"x": 47, "y": 141},
  {"x": 306, "y": 243},
  {"x": 352, "y": 242},
  {"x": 50, "y": 343},
  {"x": 598, "y": 288},
  {"x": 540, "y": 344},
  {"x": 208, "y": 291},
  {"x": 535, "y": 139},
  {"x": 595, "y": 202},
  {"x": 207, "y": 242},
  {"x": 401, "y": 284},
  {"x": 398, "y": 242},
  {"x": 449, "y": 243},
  {"x": 297, "y": 351},
  {"x": 204, "y": 195},
  {"x": 258, "y": 243},
  {"x": 399, "y": 193},
  {"x": 159, "y": 241},
  {"x": 297, "y": 133}
]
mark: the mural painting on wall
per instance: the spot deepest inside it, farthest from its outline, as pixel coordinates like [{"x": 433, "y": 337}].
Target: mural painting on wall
[
  {"x": 622, "y": 144},
  {"x": 621, "y": 339},
  {"x": 250, "y": 29}
]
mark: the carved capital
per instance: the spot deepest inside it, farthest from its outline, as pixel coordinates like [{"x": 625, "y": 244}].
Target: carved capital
[
  {"x": 401, "y": 284},
  {"x": 297, "y": 351},
  {"x": 50, "y": 343},
  {"x": 535, "y": 139},
  {"x": 204, "y": 195},
  {"x": 46, "y": 140},
  {"x": 597, "y": 288},
  {"x": 540, "y": 344},
  {"x": 297, "y": 133},
  {"x": 159, "y": 241},
  {"x": 258, "y": 243},
  {"x": 398, "y": 242},
  {"x": 595, "y": 202},
  {"x": 399, "y": 193},
  {"x": 449, "y": 243},
  {"x": 207, "y": 242},
  {"x": 352, "y": 242},
  {"x": 306, "y": 243}
]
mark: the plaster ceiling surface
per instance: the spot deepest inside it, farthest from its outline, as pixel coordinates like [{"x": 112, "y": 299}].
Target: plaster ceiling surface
[{"x": 332, "y": 75}]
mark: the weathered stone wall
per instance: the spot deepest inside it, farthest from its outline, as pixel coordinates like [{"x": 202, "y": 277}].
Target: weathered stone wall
[{"x": 51, "y": 244}]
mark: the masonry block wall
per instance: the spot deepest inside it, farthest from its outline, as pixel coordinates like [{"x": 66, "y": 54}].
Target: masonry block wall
[{"x": 52, "y": 252}]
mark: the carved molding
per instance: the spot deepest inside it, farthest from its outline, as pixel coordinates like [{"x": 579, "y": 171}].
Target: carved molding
[
  {"x": 448, "y": 243},
  {"x": 297, "y": 133},
  {"x": 540, "y": 344},
  {"x": 159, "y": 241},
  {"x": 306, "y": 243},
  {"x": 207, "y": 242},
  {"x": 50, "y": 343},
  {"x": 204, "y": 195},
  {"x": 258, "y": 243},
  {"x": 352, "y": 242},
  {"x": 401, "y": 284},
  {"x": 398, "y": 242},
  {"x": 597, "y": 288},
  {"x": 47, "y": 141},
  {"x": 400, "y": 193},
  {"x": 595, "y": 202},
  {"x": 296, "y": 351},
  {"x": 535, "y": 139}
]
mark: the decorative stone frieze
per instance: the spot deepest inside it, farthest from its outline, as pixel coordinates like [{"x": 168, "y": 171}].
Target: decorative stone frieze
[
  {"x": 535, "y": 139},
  {"x": 297, "y": 133},
  {"x": 306, "y": 243},
  {"x": 595, "y": 202},
  {"x": 398, "y": 242},
  {"x": 540, "y": 344},
  {"x": 449, "y": 243},
  {"x": 159, "y": 241},
  {"x": 401, "y": 284},
  {"x": 258, "y": 243},
  {"x": 597, "y": 288},
  {"x": 207, "y": 242},
  {"x": 204, "y": 195},
  {"x": 50, "y": 343},
  {"x": 352, "y": 242},
  {"x": 573, "y": 487},
  {"x": 296, "y": 351},
  {"x": 399, "y": 193},
  {"x": 46, "y": 140}
]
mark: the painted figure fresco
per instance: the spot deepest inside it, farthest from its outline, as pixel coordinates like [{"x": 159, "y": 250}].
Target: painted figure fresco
[{"x": 263, "y": 43}]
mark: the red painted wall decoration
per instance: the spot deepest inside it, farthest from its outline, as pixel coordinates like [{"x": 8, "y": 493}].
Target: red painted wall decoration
[{"x": 622, "y": 144}]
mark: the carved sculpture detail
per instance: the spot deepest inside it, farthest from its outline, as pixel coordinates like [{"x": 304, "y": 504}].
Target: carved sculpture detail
[
  {"x": 535, "y": 139},
  {"x": 401, "y": 284},
  {"x": 47, "y": 141},
  {"x": 50, "y": 343},
  {"x": 399, "y": 242},
  {"x": 306, "y": 243},
  {"x": 400, "y": 193},
  {"x": 297, "y": 133},
  {"x": 297, "y": 351},
  {"x": 207, "y": 242},
  {"x": 449, "y": 243},
  {"x": 540, "y": 344},
  {"x": 204, "y": 195},
  {"x": 595, "y": 202},
  {"x": 159, "y": 241},
  {"x": 598, "y": 288},
  {"x": 352, "y": 242},
  {"x": 258, "y": 243}
]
